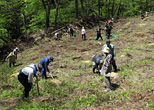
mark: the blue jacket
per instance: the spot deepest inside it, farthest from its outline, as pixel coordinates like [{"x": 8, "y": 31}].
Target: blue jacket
[{"x": 45, "y": 62}]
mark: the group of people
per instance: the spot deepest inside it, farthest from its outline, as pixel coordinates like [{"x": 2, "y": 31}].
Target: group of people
[
  {"x": 26, "y": 74},
  {"x": 105, "y": 67},
  {"x": 108, "y": 28},
  {"x": 146, "y": 15}
]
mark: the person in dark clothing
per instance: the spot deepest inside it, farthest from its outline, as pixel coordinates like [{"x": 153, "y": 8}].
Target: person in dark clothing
[
  {"x": 108, "y": 29},
  {"x": 97, "y": 63},
  {"x": 112, "y": 51},
  {"x": 142, "y": 16},
  {"x": 45, "y": 62},
  {"x": 25, "y": 77},
  {"x": 99, "y": 33},
  {"x": 71, "y": 31}
]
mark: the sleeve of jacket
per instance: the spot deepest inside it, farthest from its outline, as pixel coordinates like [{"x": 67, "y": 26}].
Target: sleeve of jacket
[
  {"x": 103, "y": 49},
  {"x": 108, "y": 62},
  {"x": 114, "y": 51},
  {"x": 46, "y": 65},
  {"x": 30, "y": 76}
]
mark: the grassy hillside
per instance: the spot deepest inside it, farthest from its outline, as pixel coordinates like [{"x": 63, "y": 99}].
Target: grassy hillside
[{"x": 75, "y": 86}]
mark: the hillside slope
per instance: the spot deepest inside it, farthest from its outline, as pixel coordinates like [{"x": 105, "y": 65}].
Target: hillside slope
[{"x": 74, "y": 85}]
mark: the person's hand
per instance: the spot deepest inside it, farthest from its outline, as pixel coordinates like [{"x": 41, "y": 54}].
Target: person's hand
[{"x": 105, "y": 71}]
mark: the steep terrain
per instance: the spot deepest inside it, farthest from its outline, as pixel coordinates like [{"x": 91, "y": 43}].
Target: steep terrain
[{"x": 74, "y": 85}]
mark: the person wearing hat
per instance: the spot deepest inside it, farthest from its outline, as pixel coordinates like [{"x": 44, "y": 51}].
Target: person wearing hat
[
  {"x": 45, "y": 62},
  {"x": 25, "y": 77},
  {"x": 12, "y": 57},
  {"x": 108, "y": 28},
  {"x": 97, "y": 63},
  {"x": 112, "y": 51},
  {"x": 83, "y": 32},
  {"x": 107, "y": 68}
]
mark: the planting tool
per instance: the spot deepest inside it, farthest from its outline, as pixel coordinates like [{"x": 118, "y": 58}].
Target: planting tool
[{"x": 37, "y": 85}]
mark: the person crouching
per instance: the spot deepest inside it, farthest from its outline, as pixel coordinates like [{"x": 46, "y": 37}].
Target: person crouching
[
  {"x": 25, "y": 77},
  {"x": 97, "y": 63}
]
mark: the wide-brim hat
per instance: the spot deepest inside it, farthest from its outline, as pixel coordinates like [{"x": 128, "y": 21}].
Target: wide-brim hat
[{"x": 106, "y": 50}]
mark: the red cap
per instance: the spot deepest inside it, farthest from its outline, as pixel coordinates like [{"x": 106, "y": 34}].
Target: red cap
[{"x": 109, "y": 21}]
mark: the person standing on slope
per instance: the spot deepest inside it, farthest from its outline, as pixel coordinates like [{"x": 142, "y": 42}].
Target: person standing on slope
[
  {"x": 112, "y": 51},
  {"x": 107, "y": 68},
  {"x": 83, "y": 32}
]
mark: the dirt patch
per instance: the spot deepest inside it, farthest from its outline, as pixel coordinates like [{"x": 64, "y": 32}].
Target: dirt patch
[
  {"x": 114, "y": 75},
  {"x": 15, "y": 74},
  {"x": 87, "y": 62},
  {"x": 141, "y": 25},
  {"x": 128, "y": 23},
  {"x": 55, "y": 81}
]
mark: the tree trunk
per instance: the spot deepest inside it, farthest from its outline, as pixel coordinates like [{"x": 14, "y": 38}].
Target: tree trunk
[
  {"x": 109, "y": 9},
  {"x": 133, "y": 3},
  {"x": 147, "y": 7},
  {"x": 44, "y": 4},
  {"x": 76, "y": 8},
  {"x": 87, "y": 7},
  {"x": 113, "y": 9},
  {"x": 119, "y": 9},
  {"x": 24, "y": 22},
  {"x": 83, "y": 10},
  {"x": 47, "y": 11},
  {"x": 99, "y": 6},
  {"x": 48, "y": 14},
  {"x": 56, "y": 16}
]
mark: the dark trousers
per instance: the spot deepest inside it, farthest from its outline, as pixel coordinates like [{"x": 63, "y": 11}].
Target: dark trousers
[
  {"x": 99, "y": 36},
  {"x": 83, "y": 36},
  {"x": 11, "y": 64},
  {"x": 97, "y": 66},
  {"x": 108, "y": 32},
  {"x": 108, "y": 82},
  {"x": 114, "y": 65},
  {"x": 23, "y": 79},
  {"x": 72, "y": 33}
]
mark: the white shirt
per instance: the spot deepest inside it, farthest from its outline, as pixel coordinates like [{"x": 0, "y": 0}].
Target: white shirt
[
  {"x": 56, "y": 35},
  {"x": 28, "y": 70},
  {"x": 83, "y": 31}
]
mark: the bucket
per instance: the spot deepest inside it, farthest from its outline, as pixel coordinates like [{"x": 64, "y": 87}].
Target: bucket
[
  {"x": 74, "y": 34},
  {"x": 95, "y": 38},
  {"x": 114, "y": 36}
]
